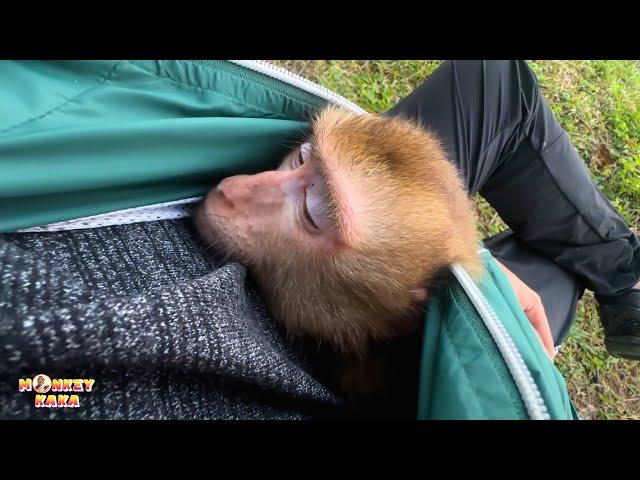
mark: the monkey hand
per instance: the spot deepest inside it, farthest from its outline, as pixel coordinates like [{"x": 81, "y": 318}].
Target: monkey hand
[{"x": 534, "y": 310}]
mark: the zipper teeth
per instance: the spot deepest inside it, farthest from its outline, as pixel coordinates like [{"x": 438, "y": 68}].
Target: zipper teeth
[
  {"x": 245, "y": 73},
  {"x": 531, "y": 396},
  {"x": 266, "y": 68}
]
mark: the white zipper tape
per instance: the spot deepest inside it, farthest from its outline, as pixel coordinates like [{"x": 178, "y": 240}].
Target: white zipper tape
[
  {"x": 147, "y": 213},
  {"x": 291, "y": 78},
  {"x": 531, "y": 396}
]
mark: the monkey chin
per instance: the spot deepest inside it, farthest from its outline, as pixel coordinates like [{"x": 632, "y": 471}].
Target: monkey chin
[{"x": 311, "y": 303}]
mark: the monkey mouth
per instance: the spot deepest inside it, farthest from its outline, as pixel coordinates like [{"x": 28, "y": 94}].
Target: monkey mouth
[
  {"x": 202, "y": 221},
  {"x": 205, "y": 220},
  {"x": 210, "y": 226}
]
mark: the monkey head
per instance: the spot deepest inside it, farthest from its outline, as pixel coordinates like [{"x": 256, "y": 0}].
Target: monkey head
[{"x": 352, "y": 224}]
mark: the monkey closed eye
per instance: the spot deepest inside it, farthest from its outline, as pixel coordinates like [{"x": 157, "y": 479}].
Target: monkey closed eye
[{"x": 307, "y": 216}]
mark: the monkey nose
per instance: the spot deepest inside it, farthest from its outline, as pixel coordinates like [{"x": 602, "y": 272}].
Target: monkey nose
[{"x": 220, "y": 194}]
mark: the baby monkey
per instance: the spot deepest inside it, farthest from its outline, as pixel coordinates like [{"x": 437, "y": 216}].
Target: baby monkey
[{"x": 344, "y": 238}]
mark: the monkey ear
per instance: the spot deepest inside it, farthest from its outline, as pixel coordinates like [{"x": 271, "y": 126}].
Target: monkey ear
[{"x": 418, "y": 294}]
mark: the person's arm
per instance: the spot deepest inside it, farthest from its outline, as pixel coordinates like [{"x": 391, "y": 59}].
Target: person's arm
[
  {"x": 534, "y": 310},
  {"x": 529, "y": 301}
]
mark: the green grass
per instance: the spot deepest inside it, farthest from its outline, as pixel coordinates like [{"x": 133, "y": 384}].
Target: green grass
[{"x": 598, "y": 104}]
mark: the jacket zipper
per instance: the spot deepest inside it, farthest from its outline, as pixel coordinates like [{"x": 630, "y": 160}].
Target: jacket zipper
[
  {"x": 297, "y": 81},
  {"x": 529, "y": 391}
]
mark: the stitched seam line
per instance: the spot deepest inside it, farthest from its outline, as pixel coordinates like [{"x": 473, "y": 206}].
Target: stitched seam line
[
  {"x": 279, "y": 92},
  {"x": 504, "y": 376},
  {"x": 510, "y": 126},
  {"x": 553, "y": 142},
  {"x": 553, "y": 179},
  {"x": 66, "y": 102},
  {"x": 240, "y": 102},
  {"x": 464, "y": 368},
  {"x": 498, "y": 136}
]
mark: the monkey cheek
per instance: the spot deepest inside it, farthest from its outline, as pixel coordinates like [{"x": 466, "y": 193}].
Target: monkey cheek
[{"x": 214, "y": 232}]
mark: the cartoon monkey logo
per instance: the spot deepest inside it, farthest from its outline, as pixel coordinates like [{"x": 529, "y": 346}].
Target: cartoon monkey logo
[{"x": 41, "y": 383}]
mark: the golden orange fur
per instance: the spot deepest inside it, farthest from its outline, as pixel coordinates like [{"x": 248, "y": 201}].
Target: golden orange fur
[{"x": 407, "y": 218}]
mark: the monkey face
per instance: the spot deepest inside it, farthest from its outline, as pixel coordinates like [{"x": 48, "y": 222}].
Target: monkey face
[
  {"x": 346, "y": 227},
  {"x": 247, "y": 215}
]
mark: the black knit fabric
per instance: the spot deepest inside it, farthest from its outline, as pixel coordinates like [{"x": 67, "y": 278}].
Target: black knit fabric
[{"x": 145, "y": 311}]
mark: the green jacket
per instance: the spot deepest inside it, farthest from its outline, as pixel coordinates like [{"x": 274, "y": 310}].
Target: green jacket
[{"x": 86, "y": 138}]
